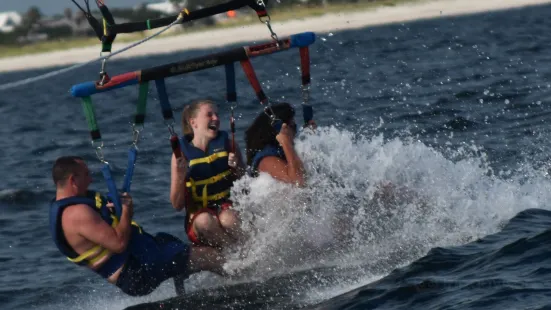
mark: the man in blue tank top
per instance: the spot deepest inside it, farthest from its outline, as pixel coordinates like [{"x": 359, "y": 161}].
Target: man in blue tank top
[{"x": 86, "y": 230}]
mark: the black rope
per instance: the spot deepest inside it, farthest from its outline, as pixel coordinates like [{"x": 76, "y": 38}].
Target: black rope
[
  {"x": 107, "y": 36},
  {"x": 193, "y": 15},
  {"x": 94, "y": 23}
]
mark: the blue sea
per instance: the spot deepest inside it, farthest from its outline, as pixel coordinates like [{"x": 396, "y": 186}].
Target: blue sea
[{"x": 428, "y": 176}]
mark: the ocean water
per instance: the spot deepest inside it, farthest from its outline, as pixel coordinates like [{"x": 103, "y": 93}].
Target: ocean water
[{"x": 428, "y": 177}]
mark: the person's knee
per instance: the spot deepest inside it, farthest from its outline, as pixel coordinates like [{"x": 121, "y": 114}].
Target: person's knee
[
  {"x": 229, "y": 219},
  {"x": 204, "y": 222}
]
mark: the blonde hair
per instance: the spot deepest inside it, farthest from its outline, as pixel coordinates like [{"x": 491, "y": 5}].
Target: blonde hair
[{"x": 190, "y": 111}]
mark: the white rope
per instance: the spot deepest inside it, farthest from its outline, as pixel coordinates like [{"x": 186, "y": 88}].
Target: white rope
[{"x": 54, "y": 73}]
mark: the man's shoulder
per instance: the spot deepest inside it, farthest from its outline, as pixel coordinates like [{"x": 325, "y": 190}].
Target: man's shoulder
[{"x": 78, "y": 212}]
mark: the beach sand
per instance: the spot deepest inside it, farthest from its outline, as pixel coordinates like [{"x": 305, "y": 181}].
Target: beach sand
[{"x": 259, "y": 33}]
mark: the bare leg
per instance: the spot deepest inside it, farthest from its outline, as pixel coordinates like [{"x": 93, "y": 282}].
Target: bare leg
[
  {"x": 229, "y": 220},
  {"x": 208, "y": 230},
  {"x": 200, "y": 259},
  {"x": 206, "y": 259}
]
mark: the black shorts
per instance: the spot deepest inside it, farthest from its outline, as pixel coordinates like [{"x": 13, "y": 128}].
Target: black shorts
[{"x": 171, "y": 259}]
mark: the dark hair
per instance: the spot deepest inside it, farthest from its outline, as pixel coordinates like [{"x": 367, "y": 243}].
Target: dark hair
[
  {"x": 63, "y": 167},
  {"x": 261, "y": 133}
]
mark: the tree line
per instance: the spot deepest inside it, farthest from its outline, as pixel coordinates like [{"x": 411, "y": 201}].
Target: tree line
[{"x": 33, "y": 19}]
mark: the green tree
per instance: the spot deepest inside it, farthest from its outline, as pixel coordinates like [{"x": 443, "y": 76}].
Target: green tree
[{"x": 31, "y": 17}]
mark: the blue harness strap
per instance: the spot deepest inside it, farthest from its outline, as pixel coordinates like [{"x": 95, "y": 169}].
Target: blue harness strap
[
  {"x": 112, "y": 188},
  {"x": 132, "y": 156},
  {"x": 139, "y": 120},
  {"x": 113, "y": 192},
  {"x": 163, "y": 99}
]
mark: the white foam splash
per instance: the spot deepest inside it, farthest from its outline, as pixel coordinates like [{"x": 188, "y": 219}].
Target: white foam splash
[{"x": 346, "y": 216}]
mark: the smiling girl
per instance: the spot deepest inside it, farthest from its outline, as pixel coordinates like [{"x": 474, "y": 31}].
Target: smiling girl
[{"x": 202, "y": 178}]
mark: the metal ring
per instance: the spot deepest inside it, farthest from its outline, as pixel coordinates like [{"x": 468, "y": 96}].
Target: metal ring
[
  {"x": 99, "y": 154},
  {"x": 171, "y": 130}
]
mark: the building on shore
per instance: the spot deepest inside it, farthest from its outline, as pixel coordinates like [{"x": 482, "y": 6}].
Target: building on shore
[{"x": 9, "y": 21}]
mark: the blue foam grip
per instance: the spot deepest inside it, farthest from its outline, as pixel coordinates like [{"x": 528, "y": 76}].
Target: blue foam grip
[
  {"x": 132, "y": 156},
  {"x": 89, "y": 88},
  {"x": 277, "y": 125},
  {"x": 303, "y": 39},
  {"x": 307, "y": 113},
  {"x": 112, "y": 188}
]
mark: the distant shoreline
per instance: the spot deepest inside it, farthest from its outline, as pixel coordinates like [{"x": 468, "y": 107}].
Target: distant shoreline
[{"x": 258, "y": 32}]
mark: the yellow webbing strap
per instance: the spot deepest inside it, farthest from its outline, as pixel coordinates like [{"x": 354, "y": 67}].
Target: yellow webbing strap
[
  {"x": 85, "y": 255},
  {"x": 104, "y": 27},
  {"x": 208, "y": 159},
  {"x": 93, "y": 250},
  {"x": 204, "y": 198},
  {"x": 99, "y": 201},
  {"x": 211, "y": 180}
]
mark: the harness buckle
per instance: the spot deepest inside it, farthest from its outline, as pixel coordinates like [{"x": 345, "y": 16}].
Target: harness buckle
[
  {"x": 136, "y": 129},
  {"x": 266, "y": 20},
  {"x": 270, "y": 113},
  {"x": 99, "y": 151},
  {"x": 103, "y": 76},
  {"x": 170, "y": 126}
]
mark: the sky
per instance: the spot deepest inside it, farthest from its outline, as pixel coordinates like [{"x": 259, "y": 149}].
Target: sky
[{"x": 51, "y": 7}]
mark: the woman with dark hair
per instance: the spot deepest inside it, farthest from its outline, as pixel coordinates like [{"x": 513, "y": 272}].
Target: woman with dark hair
[{"x": 272, "y": 152}]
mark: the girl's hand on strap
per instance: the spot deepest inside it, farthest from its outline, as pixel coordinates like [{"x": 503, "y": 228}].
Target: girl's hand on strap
[
  {"x": 110, "y": 206},
  {"x": 127, "y": 203},
  {"x": 181, "y": 165},
  {"x": 232, "y": 160}
]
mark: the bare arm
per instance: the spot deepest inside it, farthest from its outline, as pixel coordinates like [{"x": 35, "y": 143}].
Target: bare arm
[
  {"x": 178, "y": 169},
  {"x": 88, "y": 224},
  {"x": 280, "y": 170},
  {"x": 289, "y": 171}
]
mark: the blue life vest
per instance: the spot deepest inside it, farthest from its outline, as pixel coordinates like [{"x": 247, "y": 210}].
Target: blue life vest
[
  {"x": 98, "y": 203},
  {"x": 268, "y": 150},
  {"x": 209, "y": 178}
]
